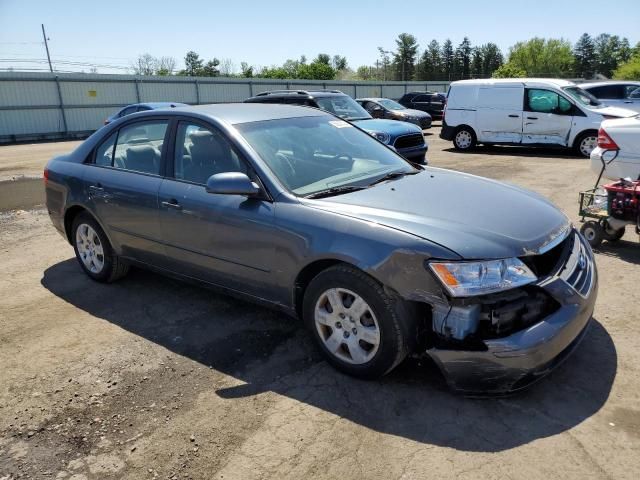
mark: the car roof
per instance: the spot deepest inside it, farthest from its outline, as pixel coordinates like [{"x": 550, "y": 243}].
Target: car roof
[
  {"x": 160, "y": 104},
  {"x": 604, "y": 84},
  {"x": 525, "y": 81},
  {"x": 236, "y": 113},
  {"x": 304, "y": 93}
]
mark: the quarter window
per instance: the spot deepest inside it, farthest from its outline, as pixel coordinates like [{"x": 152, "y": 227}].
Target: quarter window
[
  {"x": 104, "y": 153},
  {"x": 201, "y": 152},
  {"x": 546, "y": 101}
]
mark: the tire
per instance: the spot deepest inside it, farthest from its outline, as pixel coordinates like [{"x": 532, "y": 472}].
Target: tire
[
  {"x": 367, "y": 343},
  {"x": 593, "y": 233},
  {"x": 464, "y": 139},
  {"x": 585, "y": 143},
  {"x": 94, "y": 252},
  {"x": 611, "y": 235}
]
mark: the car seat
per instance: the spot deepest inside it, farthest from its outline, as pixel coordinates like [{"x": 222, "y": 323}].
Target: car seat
[{"x": 142, "y": 158}]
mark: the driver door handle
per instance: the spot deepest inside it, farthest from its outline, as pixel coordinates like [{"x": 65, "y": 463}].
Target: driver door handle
[
  {"x": 173, "y": 203},
  {"x": 532, "y": 118},
  {"x": 514, "y": 116}
]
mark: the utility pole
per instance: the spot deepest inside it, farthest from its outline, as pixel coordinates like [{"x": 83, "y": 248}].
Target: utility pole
[{"x": 46, "y": 46}]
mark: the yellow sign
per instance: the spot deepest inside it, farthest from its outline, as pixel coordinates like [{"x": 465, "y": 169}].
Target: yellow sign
[{"x": 93, "y": 93}]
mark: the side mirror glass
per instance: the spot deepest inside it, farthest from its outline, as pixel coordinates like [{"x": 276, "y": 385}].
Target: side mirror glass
[{"x": 232, "y": 183}]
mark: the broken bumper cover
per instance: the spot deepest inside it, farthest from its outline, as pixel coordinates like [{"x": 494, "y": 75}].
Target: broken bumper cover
[{"x": 516, "y": 361}]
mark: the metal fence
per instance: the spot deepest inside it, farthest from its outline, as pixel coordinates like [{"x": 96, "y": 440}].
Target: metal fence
[{"x": 49, "y": 106}]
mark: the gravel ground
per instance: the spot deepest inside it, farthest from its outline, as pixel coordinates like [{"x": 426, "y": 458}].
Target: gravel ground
[{"x": 152, "y": 378}]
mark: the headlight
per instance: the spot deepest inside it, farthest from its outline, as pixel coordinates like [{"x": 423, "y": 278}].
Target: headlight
[
  {"x": 463, "y": 279},
  {"x": 381, "y": 136}
]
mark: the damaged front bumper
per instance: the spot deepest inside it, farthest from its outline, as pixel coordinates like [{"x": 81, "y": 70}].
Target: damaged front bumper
[{"x": 513, "y": 362}]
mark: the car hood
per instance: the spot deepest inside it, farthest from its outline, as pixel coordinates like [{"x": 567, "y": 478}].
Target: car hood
[
  {"x": 412, "y": 112},
  {"x": 392, "y": 127},
  {"x": 614, "y": 111},
  {"x": 475, "y": 217}
]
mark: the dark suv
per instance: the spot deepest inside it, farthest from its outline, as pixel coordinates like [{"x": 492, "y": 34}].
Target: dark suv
[
  {"x": 406, "y": 138},
  {"x": 430, "y": 102}
]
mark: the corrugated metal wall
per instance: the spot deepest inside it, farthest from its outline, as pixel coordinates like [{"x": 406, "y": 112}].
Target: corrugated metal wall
[{"x": 46, "y": 105}]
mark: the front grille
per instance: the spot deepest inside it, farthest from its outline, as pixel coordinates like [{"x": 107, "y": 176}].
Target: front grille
[
  {"x": 579, "y": 269},
  {"x": 409, "y": 141},
  {"x": 503, "y": 313},
  {"x": 550, "y": 262}
]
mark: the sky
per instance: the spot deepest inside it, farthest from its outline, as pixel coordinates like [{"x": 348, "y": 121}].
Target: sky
[{"x": 264, "y": 33}]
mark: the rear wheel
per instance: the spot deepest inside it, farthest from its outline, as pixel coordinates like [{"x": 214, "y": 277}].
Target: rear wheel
[
  {"x": 360, "y": 328},
  {"x": 464, "y": 139},
  {"x": 585, "y": 143},
  {"x": 94, "y": 252},
  {"x": 593, "y": 233}
]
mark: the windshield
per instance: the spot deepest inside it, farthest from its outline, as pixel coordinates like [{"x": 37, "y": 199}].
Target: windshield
[
  {"x": 344, "y": 107},
  {"x": 313, "y": 154},
  {"x": 391, "y": 105},
  {"x": 583, "y": 97}
]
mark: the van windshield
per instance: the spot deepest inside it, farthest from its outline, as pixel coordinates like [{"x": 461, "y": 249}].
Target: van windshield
[{"x": 583, "y": 97}]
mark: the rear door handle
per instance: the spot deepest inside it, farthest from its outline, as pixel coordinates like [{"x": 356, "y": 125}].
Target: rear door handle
[
  {"x": 173, "y": 203},
  {"x": 532, "y": 118},
  {"x": 514, "y": 116},
  {"x": 96, "y": 188}
]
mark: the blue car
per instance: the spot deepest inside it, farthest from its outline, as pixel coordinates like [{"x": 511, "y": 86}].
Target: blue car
[
  {"x": 300, "y": 210},
  {"x": 406, "y": 138},
  {"x": 141, "y": 107}
]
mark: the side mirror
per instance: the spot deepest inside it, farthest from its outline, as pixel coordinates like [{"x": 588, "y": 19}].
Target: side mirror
[{"x": 232, "y": 183}]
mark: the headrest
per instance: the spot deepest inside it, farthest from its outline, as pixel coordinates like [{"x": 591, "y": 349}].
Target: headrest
[
  {"x": 141, "y": 152},
  {"x": 200, "y": 137}
]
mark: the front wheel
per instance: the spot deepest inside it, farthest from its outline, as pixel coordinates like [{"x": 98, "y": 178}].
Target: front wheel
[
  {"x": 360, "y": 328},
  {"x": 94, "y": 252},
  {"x": 464, "y": 139}
]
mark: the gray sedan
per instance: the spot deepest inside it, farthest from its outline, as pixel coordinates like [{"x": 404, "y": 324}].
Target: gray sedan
[{"x": 300, "y": 210}]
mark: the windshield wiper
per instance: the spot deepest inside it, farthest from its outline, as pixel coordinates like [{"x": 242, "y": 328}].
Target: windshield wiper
[
  {"x": 392, "y": 176},
  {"x": 335, "y": 191}
]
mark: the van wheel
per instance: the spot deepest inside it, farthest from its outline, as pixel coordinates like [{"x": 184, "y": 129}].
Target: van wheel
[
  {"x": 585, "y": 143},
  {"x": 464, "y": 139}
]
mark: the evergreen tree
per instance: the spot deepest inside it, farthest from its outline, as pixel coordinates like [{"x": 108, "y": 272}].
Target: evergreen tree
[
  {"x": 492, "y": 58},
  {"x": 584, "y": 53},
  {"x": 462, "y": 59},
  {"x": 447, "y": 59},
  {"x": 405, "y": 56}
]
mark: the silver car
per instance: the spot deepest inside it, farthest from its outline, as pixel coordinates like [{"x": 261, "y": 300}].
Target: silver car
[{"x": 624, "y": 94}]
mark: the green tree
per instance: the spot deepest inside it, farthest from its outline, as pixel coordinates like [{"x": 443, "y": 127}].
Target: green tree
[
  {"x": 192, "y": 64},
  {"x": 462, "y": 59},
  {"x": 404, "y": 57},
  {"x": 323, "y": 58},
  {"x": 543, "y": 57},
  {"x": 492, "y": 58},
  {"x": 476, "y": 62},
  {"x": 584, "y": 53},
  {"x": 508, "y": 70},
  {"x": 629, "y": 70},
  {"x": 610, "y": 52},
  {"x": 339, "y": 63},
  {"x": 316, "y": 71},
  {"x": 210, "y": 69},
  {"x": 246, "y": 70},
  {"x": 447, "y": 59}
]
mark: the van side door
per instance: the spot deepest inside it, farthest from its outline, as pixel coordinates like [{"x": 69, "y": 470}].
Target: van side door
[
  {"x": 499, "y": 114},
  {"x": 548, "y": 117}
]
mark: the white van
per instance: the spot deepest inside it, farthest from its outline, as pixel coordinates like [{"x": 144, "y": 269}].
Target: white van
[{"x": 524, "y": 111}]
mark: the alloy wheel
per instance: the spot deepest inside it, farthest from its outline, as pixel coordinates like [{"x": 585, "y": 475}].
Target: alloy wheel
[{"x": 89, "y": 248}]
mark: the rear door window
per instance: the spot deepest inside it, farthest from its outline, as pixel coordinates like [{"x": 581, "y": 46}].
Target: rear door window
[
  {"x": 136, "y": 147},
  {"x": 611, "y": 92}
]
